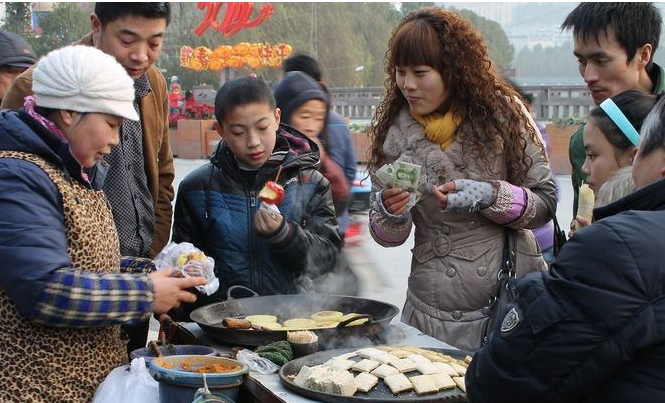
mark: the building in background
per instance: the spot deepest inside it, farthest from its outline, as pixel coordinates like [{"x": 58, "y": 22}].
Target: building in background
[{"x": 39, "y": 11}]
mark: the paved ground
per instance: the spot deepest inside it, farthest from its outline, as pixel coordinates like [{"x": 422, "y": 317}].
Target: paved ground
[{"x": 383, "y": 272}]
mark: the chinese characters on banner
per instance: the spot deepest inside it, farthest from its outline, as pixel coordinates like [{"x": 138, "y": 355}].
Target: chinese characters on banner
[
  {"x": 236, "y": 17},
  {"x": 252, "y": 55}
]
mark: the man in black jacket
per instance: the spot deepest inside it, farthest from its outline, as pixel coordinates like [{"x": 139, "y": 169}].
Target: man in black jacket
[{"x": 592, "y": 329}]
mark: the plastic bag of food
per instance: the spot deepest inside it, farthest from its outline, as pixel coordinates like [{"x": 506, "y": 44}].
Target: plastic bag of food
[
  {"x": 189, "y": 261},
  {"x": 128, "y": 384},
  {"x": 256, "y": 363}
]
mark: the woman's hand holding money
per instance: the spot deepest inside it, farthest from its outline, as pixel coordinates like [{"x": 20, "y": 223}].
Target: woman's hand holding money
[
  {"x": 395, "y": 200},
  {"x": 464, "y": 196}
]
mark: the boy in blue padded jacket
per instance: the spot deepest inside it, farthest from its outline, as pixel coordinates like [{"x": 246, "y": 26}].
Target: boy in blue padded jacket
[{"x": 217, "y": 207}]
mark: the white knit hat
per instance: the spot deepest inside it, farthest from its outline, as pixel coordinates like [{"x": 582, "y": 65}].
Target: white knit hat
[{"x": 84, "y": 79}]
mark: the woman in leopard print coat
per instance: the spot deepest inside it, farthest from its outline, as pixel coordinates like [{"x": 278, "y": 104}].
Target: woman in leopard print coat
[{"x": 63, "y": 289}]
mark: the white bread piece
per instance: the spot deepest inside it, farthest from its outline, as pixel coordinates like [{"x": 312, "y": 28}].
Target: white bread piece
[
  {"x": 384, "y": 371},
  {"x": 365, "y": 365},
  {"x": 460, "y": 382},
  {"x": 398, "y": 383},
  {"x": 443, "y": 381},
  {"x": 405, "y": 365},
  {"x": 445, "y": 368},
  {"x": 366, "y": 381},
  {"x": 424, "y": 384}
]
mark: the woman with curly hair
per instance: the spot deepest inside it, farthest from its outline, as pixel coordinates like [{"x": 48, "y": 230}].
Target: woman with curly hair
[{"x": 484, "y": 168}]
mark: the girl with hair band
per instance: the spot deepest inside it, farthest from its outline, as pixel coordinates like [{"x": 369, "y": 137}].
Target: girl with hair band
[{"x": 611, "y": 137}]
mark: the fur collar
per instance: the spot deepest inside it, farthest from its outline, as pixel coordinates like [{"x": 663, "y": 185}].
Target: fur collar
[{"x": 406, "y": 141}]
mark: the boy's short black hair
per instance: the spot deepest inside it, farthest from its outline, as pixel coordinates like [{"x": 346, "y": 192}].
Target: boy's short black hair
[
  {"x": 239, "y": 92},
  {"x": 305, "y": 63},
  {"x": 109, "y": 12},
  {"x": 634, "y": 24}
]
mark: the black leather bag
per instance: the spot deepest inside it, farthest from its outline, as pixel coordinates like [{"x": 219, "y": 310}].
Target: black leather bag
[
  {"x": 559, "y": 235},
  {"x": 505, "y": 290}
]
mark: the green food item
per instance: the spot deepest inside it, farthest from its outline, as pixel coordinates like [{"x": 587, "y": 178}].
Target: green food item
[
  {"x": 278, "y": 352},
  {"x": 275, "y": 357}
]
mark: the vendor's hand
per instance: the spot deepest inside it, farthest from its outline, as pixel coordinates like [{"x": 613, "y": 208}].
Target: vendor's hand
[
  {"x": 464, "y": 196},
  {"x": 170, "y": 292},
  {"x": 578, "y": 223},
  {"x": 395, "y": 200},
  {"x": 267, "y": 222}
]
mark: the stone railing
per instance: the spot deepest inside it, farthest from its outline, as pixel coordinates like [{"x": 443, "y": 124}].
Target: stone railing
[
  {"x": 549, "y": 103},
  {"x": 356, "y": 103},
  {"x": 560, "y": 102}
]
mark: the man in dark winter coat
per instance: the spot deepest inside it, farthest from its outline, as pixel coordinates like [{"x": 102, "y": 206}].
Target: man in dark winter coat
[{"x": 592, "y": 329}]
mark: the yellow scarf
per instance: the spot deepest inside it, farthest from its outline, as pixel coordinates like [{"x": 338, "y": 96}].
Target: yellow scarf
[{"x": 439, "y": 128}]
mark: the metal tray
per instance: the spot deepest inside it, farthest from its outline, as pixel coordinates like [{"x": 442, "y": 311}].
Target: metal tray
[{"x": 380, "y": 393}]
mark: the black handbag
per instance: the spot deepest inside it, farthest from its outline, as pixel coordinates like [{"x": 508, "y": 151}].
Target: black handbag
[
  {"x": 505, "y": 290},
  {"x": 559, "y": 235}
]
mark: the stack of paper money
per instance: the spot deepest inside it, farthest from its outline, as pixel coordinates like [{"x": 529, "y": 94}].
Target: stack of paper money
[{"x": 402, "y": 175}]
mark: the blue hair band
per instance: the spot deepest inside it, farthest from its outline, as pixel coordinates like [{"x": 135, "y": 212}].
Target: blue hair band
[{"x": 619, "y": 119}]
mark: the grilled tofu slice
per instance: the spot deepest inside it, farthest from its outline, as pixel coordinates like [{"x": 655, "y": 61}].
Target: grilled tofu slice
[
  {"x": 424, "y": 384},
  {"x": 339, "y": 365},
  {"x": 343, "y": 383},
  {"x": 398, "y": 383},
  {"x": 399, "y": 353},
  {"x": 443, "y": 381},
  {"x": 346, "y": 356},
  {"x": 385, "y": 358},
  {"x": 369, "y": 352},
  {"x": 405, "y": 365},
  {"x": 419, "y": 359},
  {"x": 366, "y": 381},
  {"x": 458, "y": 368},
  {"x": 365, "y": 365},
  {"x": 302, "y": 376},
  {"x": 445, "y": 368},
  {"x": 460, "y": 382},
  {"x": 384, "y": 371}
]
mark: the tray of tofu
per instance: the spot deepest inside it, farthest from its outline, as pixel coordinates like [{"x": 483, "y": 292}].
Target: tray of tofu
[{"x": 379, "y": 374}]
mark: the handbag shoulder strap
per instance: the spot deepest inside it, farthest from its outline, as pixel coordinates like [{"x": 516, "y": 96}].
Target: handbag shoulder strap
[
  {"x": 508, "y": 256},
  {"x": 559, "y": 235}
]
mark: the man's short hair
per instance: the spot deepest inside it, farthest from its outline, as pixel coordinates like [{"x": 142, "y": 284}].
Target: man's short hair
[
  {"x": 109, "y": 12},
  {"x": 305, "y": 63},
  {"x": 634, "y": 24},
  {"x": 239, "y": 92}
]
